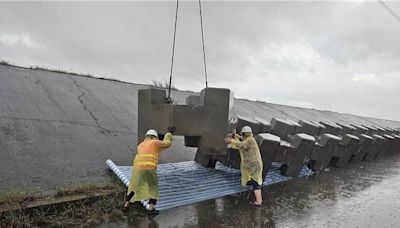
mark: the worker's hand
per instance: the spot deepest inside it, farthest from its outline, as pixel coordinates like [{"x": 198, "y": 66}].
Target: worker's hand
[
  {"x": 172, "y": 129},
  {"x": 227, "y": 140},
  {"x": 230, "y": 135}
]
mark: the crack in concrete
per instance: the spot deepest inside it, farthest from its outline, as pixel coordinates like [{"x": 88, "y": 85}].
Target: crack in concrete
[
  {"x": 104, "y": 131},
  {"x": 130, "y": 148}
]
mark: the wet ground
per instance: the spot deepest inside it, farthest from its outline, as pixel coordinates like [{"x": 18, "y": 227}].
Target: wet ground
[{"x": 360, "y": 195}]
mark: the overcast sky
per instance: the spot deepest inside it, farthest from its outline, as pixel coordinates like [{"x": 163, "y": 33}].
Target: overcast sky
[{"x": 339, "y": 56}]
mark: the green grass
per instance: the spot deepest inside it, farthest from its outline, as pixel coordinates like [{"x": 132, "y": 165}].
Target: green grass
[
  {"x": 84, "y": 213},
  {"x": 83, "y": 188},
  {"x": 16, "y": 198}
]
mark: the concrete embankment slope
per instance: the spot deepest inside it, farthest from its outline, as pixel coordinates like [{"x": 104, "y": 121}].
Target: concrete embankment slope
[{"x": 59, "y": 128}]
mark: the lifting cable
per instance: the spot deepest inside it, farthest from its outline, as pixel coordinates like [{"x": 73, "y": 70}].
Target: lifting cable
[
  {"x": 173, "y": 49},
  {"x": 202, "y": 39},
  {"x": 173, "y": 53}
]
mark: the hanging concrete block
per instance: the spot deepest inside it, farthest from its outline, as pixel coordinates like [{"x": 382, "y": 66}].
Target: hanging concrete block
[
  {"x": 347, "y": 149},
  {"x": 204, "y": 120}
]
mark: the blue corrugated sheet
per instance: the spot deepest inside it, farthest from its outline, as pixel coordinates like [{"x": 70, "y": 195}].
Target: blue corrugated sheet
[{"x": 188, "y": 182}]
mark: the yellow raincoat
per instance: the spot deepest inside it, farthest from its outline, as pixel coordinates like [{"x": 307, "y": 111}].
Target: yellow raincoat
[
  {"x": 251, "y": 165},
  {"x": 144, "y": 180}
]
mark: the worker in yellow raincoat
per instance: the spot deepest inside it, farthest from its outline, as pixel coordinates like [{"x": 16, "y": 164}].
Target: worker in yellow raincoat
[
  {"x": 143, "y": 186},
  {"x": 251, "y": 165}
]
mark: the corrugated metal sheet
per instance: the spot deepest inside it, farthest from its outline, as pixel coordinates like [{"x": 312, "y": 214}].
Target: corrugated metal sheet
[{"x": 187, "y": 182}]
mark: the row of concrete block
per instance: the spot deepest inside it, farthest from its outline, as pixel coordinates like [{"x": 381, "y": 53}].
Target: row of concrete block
[{"x": 316, "y": 144}]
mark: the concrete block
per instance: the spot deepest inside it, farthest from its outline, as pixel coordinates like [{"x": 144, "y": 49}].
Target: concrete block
[
  {"x": 397, "y": 144},
  {"x": 282, "y": 128},
  {"x": 193, "y": 100},
  {"x": 246, "y": 121},
  {"x": 346, "y": 129},
  {"x": 204, "y": 120},
  {"x": 325, "y": 148},
  {"x": 365, "y": 146},
  {"x": 376, "y": 147},
  {"x": 309, "y": 128},
  {"x": 347, "y": 149},
  {"x": 265, "y": 125},
  {"x": 359, "y": 129},
  {"x": 269, "y": 146},
  {"x": 330, "y": 128},
  {"x": 389, "y": 146},
  {"x": 293, "y": 156}
]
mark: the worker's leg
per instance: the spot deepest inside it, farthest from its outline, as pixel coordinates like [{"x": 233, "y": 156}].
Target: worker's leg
[
  {"x": 257, "y": 194},
  {"x": 152, "y": 204},
  {"x": 257, "y": 191},
  {"x": 128, "y": 197}
]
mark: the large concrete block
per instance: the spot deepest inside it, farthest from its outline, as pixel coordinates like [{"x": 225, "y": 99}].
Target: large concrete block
[
  {"x": 265, "y": 125},
  {"x": 246, "y": 121},
  {"x": 388, "y": 147},
  {"x": 330, "y": 128},
  {"x": 381, "y": 130},
  {"x": 346, "y": 129},
  {"x": 377, "y": 146},
  {"x": 193, "y": 100},
  {"x": 204, "y": 121},
  {"x": 323, "y": 151},
  {"x": 397, "y": 144},
  {"x": 359, "y": 129},
  {"x": 282, "y": 128},
  {"x": 294, "y": 155},
  {"x": 365, "y": 146},
  {"x": 309, "y": 128},
  {"x": 269, "y": 147},
  {"x": 347, "y": 149}
]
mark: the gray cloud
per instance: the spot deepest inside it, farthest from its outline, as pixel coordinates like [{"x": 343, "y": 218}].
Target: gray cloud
[{"x": 341, "y": 56}]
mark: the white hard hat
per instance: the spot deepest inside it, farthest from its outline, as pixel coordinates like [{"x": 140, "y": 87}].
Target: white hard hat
[
  {"x": 246, "y": 129},
  {"x": 152, "y": 132}
]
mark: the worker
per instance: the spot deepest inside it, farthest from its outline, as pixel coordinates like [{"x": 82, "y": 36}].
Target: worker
[
  {"x": 143, "y": 186},
  {"x": 251, "y": 163}
]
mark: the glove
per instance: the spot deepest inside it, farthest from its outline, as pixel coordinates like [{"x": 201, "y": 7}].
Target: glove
[{"x": 172, "y": 129}]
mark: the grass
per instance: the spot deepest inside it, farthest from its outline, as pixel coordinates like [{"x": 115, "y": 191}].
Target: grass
[
  {"x": 84, "y": 213},
  {"x": 17, "y": 198},
  {"x": 160, "y": 84},
  {"x": 83, "y": 188},
  {"x": 59, "y": 71},
  {"x": 5, "y": 62}
]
